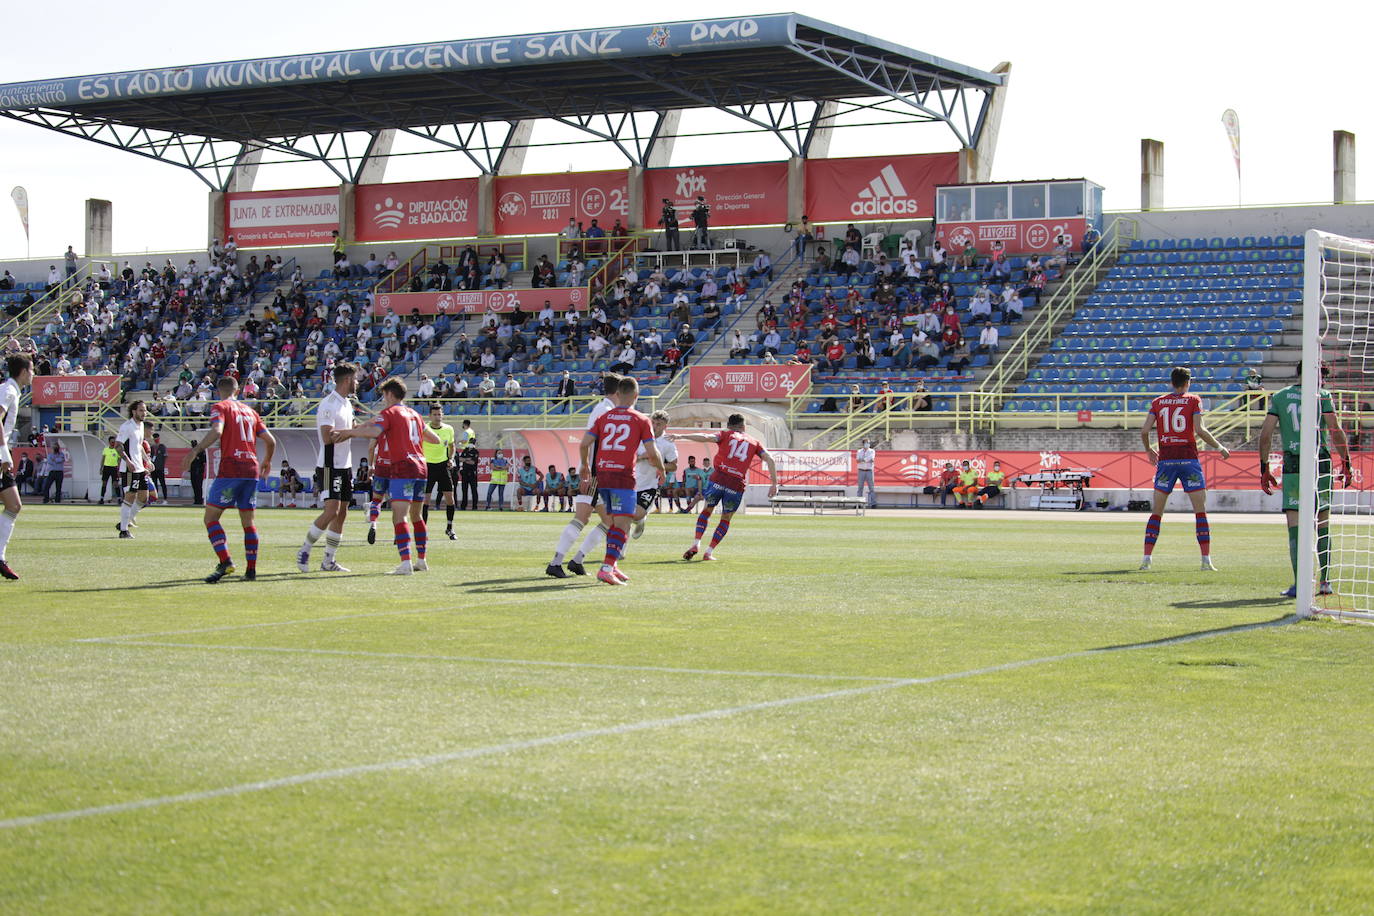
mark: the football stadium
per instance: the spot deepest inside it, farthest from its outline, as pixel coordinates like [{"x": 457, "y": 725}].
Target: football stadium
[{"x": 748, "y": 521}]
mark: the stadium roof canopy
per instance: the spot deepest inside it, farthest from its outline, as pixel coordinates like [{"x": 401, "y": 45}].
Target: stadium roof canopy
[{"x": 785, "y": 74}]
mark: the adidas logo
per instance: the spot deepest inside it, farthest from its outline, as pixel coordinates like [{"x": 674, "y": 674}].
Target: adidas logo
[
  {"x": 389, "y": 214},
  {"x": 885, "y": 196}
]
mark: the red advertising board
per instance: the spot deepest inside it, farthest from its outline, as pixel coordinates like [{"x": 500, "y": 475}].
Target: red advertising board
[
  {"x": 1018, "y": 236},
  {"x": 753, "y": 194},
  {"x": 261, "y": 219},
  {"x": 1111, "y": 470},
  {"x": 748, "y": 383},
  {"x": 415, "y": 210},
  {"x": 51, "y": 390},
  {"x": 881, "y": 188},
  {"x": 467, "y": 302},
  {"x": 542, "y": 204}
]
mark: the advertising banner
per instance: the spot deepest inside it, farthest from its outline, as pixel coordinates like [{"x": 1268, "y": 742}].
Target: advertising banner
[
  {"x": 880, "y": 188},
  {"x": 739, "y": 195},
  {"x": 261, "y": 219},
  {"x": 415, "y": 210},
  {"x": 1018, "y": 236},
  {"x": 1110, "y": 470},
  {"x": 468, "y": 302},
  {"x": 542, "y": 204},
  {"x": 748, "y": 383},
  {"x": 51, "y": 390}
]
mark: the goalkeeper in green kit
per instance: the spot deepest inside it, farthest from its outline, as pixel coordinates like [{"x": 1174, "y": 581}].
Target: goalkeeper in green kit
[{"x": 1285, "y": 413}]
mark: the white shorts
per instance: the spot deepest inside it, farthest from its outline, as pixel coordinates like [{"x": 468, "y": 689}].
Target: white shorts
[{"x": 583, "y": 499}]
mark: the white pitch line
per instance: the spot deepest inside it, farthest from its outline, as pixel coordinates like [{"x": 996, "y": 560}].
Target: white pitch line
[
  {"x": 431, "y": 760},
  {"x": 478, "y": 659}
]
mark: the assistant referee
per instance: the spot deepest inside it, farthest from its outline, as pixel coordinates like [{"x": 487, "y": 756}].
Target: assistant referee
[{"x": 439, "y": 457}]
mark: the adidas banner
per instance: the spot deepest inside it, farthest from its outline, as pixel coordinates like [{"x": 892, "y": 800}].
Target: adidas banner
[
  {"x": 415, "y": 210},
  {"x": 877, "y": 188},
  {"x": 261, "y": 219},
  {"x": 752, "y": 194}
]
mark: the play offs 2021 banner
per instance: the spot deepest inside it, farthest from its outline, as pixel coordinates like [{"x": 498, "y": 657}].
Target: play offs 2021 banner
[{"x": 748, "y": 383}]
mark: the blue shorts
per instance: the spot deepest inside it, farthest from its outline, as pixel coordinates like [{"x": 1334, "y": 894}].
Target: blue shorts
[
  {"x": 729, "y": 499},
  {"x": 1185, "y": 470},
  {"x": 618, "y": 502},
  {"x": 381, "y": 486},
  {"x": 233, "y": 493},
  {"x": 402, "y": 490}
]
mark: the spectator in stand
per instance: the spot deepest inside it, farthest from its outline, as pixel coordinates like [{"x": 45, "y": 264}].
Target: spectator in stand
[
  {"x": 652, "y": 343},
  {"x": 710, "y": 290},
  {"x": 512, "y": 389},
  {"x": 671, "y": 361},
  {"x": 898, "y": 350},
  {"x": 927, "y": 355},
  {"x": 426, "y": 387},
  {"x": 948, "y": 481},
  {"x": 570, "y": 231},
  {"x": 1012, "y": 308},
  {"x": 772, "y": 343},
  {"x": 937, "y": 256},
  {"x": 848, "y": 263},
  {"x": 498, "y": 270},
  {"x": 805, "y": 233},
  {"x": 70, "y": 259},
  {"x": 968, "y": 258},
  {"x": 487, "y": 387},
  {"x": 1090, "y": 239},
  {"x": 625, "y": 360},
  {"x": 686, "y": 340},
  {"x": 762, "y": 266},
  {"x": 801, "y": 356},
  {"x": 853, "y": 238},
  {"x": 389, "y": 265},
  {"x": 544, "y": 275},
  {"x": 834, "y": 357},
  {"x": 1059, "y": 255},
  {"x": 980, "y": 306},
  {"x": 987, "y": 340},
  {"x": 864, "y": 355},
  {"x": 739, "y": 348},
  {"x": 919, "y": 400}
]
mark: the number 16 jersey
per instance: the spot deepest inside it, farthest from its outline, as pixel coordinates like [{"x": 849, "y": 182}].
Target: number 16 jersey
[{"x": 1174, "y": 414}]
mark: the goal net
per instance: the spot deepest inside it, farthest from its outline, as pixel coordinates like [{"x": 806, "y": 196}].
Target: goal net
[{"x": 1335, "y": 573}]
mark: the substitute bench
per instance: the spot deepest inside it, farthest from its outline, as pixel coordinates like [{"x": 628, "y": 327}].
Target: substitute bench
[{"x": 817, "y": 499}]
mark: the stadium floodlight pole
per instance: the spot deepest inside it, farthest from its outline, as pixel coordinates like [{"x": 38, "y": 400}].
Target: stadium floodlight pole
[{"x": 1312, "y": 314}]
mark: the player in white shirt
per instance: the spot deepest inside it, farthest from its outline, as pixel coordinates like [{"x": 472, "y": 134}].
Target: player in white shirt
[
  {"x": 134, "y": 462},
  {"x": 20, "y": 369},
  {"x": 584, "y": 502},
  {"x": 646, "y": 475},
  {"x": 333, "y": 469}
]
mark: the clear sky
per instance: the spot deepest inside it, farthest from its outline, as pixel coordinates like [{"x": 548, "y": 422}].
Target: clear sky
[{"x": 1088, "y": 81}]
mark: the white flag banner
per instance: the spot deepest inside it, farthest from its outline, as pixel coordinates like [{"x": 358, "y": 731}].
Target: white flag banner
[{"x": 21, "y": 203}]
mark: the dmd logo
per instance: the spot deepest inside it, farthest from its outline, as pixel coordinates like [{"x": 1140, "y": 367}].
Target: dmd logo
[
  {"x": 716, "y": 31},
  {"x": 885, "y": 196}
]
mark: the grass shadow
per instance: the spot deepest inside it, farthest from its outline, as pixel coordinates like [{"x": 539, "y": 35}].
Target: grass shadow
[
  {"x": 1200, "y": 634},
  {"x": 199, "y": 580},
  {"x": 1232, "y": 603}
]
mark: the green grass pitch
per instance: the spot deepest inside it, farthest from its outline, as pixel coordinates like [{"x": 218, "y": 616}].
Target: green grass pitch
[{"x": 878, "y": 715}]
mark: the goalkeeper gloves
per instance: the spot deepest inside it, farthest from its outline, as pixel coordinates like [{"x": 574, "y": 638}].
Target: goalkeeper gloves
[{"x": 1267, "y": 481}]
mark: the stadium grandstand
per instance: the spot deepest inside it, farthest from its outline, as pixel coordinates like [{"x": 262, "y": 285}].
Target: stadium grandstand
[{"x": 903, "y": 299}]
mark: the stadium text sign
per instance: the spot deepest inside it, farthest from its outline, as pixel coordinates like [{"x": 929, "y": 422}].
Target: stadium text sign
[
  {"x": 748, "y": 383},
  {"x": 753, "y": 194},
  {"x": 542, "y": 204},
  {"x": 1018, "y": 236},
  {"x": 50, "y": 390},
  {"x": 415, "y": 210},
  {"x": 877, "y": 188},
  {"x": 664, "y": 40},
  {"x": 260, "y": 219},
  {"x": 467, "y": 302}
]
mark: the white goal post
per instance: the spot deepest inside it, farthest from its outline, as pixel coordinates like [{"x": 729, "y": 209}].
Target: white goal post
[{"x": 1338, "y": 308}]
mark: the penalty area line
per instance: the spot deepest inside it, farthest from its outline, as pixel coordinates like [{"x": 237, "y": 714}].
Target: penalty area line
[{"x": 570, "y": 737}]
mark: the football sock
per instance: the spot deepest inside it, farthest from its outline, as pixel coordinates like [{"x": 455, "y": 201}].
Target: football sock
[
  {"x": 250, "y": 546},
  {"x": 565, "y": 540},
  {"x": 703, "y": 520},
  {"x": 403, "y": 541},
  {"x": 124, "y": 516},
  {"x": 721, "y": 529},
  {"x": 374, "y": 509},
  {"x": 1323, "y": 551},
  {"x": 332, "y": 540},
  {"x": 424, "y": 513},
  {"x": 615, "y": 544},
  {"x": 1204, "y": 534},
  {"x": 421, "y": 538},
  {"x": 311, "y": 536},
  {"x": 1293, "y": 549},
  {"x": 7, "y": 520},
  {"x": 1151, "y": 533},
  {"x": 449, "y": 511},
  {"x": 215, "y": 531},
  {"x": 590, "y": 542}
]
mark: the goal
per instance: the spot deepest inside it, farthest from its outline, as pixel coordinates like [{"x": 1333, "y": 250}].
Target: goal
[{"x": 1335, "y": 521}]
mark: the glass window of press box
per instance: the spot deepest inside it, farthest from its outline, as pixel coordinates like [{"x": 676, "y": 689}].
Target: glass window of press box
[{"x": 1019, "y": 200}]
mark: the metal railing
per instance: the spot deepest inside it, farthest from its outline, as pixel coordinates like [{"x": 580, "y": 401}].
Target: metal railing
[
  {"x": 50, "y": 302},
  {"x": 1039, "y": 332},
  {"x": 418, "y": 263}
]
